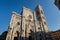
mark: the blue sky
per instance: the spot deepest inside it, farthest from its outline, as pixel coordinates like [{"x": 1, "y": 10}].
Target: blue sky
[{"x": 50, "y": 10}]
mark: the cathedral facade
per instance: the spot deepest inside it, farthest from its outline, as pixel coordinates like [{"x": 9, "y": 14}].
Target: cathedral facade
[{"x": 28, "y": 25}]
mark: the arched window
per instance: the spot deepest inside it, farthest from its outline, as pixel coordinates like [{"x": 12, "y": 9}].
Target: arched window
[
  {"x": 30, "y": 16},
  {"x": 18, "y": 23},
  {"x": 15, "y": 38},
  {"x": 30, "y": 38},
  {"x": 37, "y": 13},
  {"x": 43, "y": 17},
  {"x": 45, "y": 23},
  {"x": 8, "y": 38},
  {"x": 39, "y": 28},
  {"x": 40, "y": 37},
  {"x": 41, "y": 12}
]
